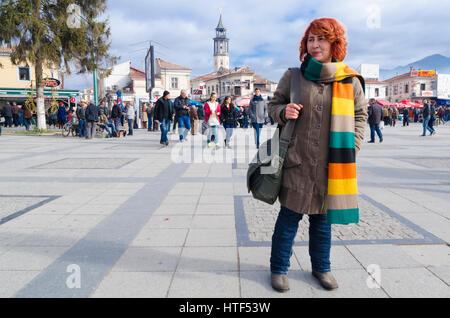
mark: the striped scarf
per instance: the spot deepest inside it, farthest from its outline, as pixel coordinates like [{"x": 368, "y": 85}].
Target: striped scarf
[{"x": 342, "y": 183}]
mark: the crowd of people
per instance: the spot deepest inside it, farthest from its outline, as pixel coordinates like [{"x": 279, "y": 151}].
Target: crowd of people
[{"x": 429, "y": 115}]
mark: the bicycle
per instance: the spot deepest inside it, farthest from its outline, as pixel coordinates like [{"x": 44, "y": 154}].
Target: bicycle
[{"x": 70, "y": 128}]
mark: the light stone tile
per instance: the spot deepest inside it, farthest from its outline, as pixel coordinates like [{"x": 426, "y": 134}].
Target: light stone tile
[
  {"x": 340, "y": 258},
  {"x": 202, "y": 237},
  {"x": 205, "y": 285},
  {"x": 32, "y": 221},
  {"x": 157, "y": 237},
  {"x": 258, "y": 259},
  {"x": 216, "y": 199},
  {"x": 11, "y": 237},
  {"x": 443, "y": 272},
  {"x": 78, "y": 222},
  {"x": 207, "y": 259},
  {"x": 168, "y": 210},
  {"x": 413, "y": 283},
  {"x": 134, "y": 285},
  {"x": 13, "y": 281},
  {"x": 169, "y": 222},
  {"x": 30, "y": 258},
  {"x": 54, "y": 238},
  {"x": 385, "y": 256},
  {"x": 433, "y": 223},
  {"x": 211, "y": 209},
  {"x": 213, "y": 222},
  {"x": 143, "y": 259},
  {"x": 181, "y": 200},
  {"x": 429, "y": 255}
]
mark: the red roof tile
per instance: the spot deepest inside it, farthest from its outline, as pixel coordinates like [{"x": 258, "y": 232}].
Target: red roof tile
[{"x": 170, "y": 66}]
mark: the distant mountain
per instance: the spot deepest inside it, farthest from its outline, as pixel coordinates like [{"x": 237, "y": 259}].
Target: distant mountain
[{"x": 430, "y": 63}]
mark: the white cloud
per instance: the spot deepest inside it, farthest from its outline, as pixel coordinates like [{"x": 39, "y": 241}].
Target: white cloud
[{"x": 265, "y": 34}]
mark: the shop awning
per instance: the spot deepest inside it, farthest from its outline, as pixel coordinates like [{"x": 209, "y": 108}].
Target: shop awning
[{"x": 25, "y": 92}]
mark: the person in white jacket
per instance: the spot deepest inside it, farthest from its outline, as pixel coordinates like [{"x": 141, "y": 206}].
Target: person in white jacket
[{"x": 130, "y": 117}]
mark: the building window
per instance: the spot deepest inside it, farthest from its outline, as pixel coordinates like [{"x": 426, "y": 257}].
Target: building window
[
  {"x": 387, "y": 91},
  {"x": 24, "y": 73},
  {"x": 422, "y": 87},
  {"x": 406, "y": 88},
  {"x": 174, "y": 82},
  {"x": 377, "y": 92},
  {"x": 395, "y": 90}
]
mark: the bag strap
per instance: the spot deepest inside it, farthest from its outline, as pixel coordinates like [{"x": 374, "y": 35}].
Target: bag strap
[{"x": 288, "y": 130}]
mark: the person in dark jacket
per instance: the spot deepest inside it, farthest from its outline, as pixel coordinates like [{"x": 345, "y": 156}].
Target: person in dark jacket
[
  {"x": 91, "y": 114},
  {"x": 163, "y": 114},
  {"x": 81, "y": 120},
  {"x": 426, "y": 118},
  {"x": 405, "y": 117},
  {"x": 62, "y": 115},
  {"x": 182, "y": 105},
  {"x": 228, "y": 116},
  {"x": 116, "y": 114},
  {"x": 375, "y": 117},
  {"x": 8, "y": 114},
  {"x": 432, "y": 118}
]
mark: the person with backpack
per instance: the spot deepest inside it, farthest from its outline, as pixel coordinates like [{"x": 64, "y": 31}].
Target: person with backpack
[
  {"x": 432, "y": 117},
  {"x": 116, "y": 115},
  {"x": 81, "y": 120},
  {"x": 426, "y": 114},
  {"x": 91, "y": 114},
  {"x": 405, "y": 117}
]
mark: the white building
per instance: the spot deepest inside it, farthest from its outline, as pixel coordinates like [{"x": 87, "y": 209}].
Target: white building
[{"x": 171, "y": 77}]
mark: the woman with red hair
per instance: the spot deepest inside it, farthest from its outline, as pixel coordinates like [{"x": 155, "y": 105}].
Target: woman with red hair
[{"x": 323, "y": 107}]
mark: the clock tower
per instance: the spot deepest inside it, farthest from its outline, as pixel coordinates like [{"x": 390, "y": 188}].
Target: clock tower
[{"x": 221, "y": 55}]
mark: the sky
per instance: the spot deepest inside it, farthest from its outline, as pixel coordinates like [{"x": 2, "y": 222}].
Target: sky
[{"x": 266, "y": 34}]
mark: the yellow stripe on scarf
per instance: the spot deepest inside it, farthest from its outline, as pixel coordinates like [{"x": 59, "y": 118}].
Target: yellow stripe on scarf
[
  {"x": 342, "y": 186},
  {"x": 343, "y": 106}
]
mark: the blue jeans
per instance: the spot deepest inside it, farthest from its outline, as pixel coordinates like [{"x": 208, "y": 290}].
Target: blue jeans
[
  {"x": 257, "y": 128},
  {"x": 431, "y": 125},
  {"x": 164, "y": 126},
  {"x": 184, "y": 126},
  {"x": 213, "y": 131},
  {"x": 229, "y": 130},
  {"x": 373, "y": 129},
  {"x": 105, "y": 126},
  {"x": 425, "y": 126},
  {"x": 82, "y": 128},
  {"x": 130, "y": 127},
  {"x": 283, "y": 239},
  {"x": 150, "y": 124}
]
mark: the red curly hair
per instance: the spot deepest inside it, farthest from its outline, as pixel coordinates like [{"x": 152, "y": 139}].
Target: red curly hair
[{"x": 331, "y": 30}]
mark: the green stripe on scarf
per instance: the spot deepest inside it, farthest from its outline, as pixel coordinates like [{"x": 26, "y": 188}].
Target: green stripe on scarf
[
  {"x": 342, "y": 140},
  {"x": 343, "y": 217}
]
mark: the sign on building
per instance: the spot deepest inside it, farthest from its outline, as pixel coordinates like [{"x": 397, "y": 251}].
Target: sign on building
[{"x": 443, "y": 86}]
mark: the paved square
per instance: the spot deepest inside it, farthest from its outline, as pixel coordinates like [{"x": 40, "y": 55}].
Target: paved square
[{"x": 140, "y": 220}]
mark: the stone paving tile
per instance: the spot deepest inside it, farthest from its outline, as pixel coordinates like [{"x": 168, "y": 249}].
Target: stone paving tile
[
  {"x": 148, "y": 259},
  {"x": 205, "y": 285},
  {"x": 12, "y": 281},
  {"x": 53, "y": 238},
  {"x": 32, "y": 221},
  {"x": 12, "y": 236},
  {"x": 208, "y": 259},
  {"x": 30, "y": 258},
  {"x": 433, "y": 223},
  {"x": 258, "y": 259},
  {"x": 160, "y": 238},
  {"x": 134, "y": 285},
  {"x": 213, "y": 222},
  {"x": 412, "y": 283},
  {"x": 443, "y": 272},
  {"x": 386, "y": 256},
  {"x": 429, "y": 255},
  {"x": 78, "y": 222},
  {"x": 203, "y": 237},
  {"x": 340, "y": 258},
  {"x": 169, "y": 222},
  {"x": 212, "y": 209},
  {"x": 216, "y": 199}
]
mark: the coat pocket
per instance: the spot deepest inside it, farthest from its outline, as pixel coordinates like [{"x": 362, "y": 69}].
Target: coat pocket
[{"x": 293, "y": 157}]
